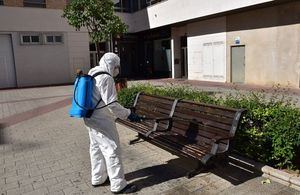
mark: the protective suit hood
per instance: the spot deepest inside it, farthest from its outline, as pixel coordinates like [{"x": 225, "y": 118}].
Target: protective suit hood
[{"x": 107, "y": 63}]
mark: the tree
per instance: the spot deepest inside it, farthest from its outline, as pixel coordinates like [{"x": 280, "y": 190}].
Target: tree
[{"x": 97, "y": 16}]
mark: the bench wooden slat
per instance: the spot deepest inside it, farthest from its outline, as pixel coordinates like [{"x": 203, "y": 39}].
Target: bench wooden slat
[
  {"x": 154, "y": 98},
  {"x": 198, "y": 154},
  {"x": 154, "y": 107},
  {"x": 203, "y": 115},
  {"x": 181, "y": 126},
  {"x": 206, "y": 122},
  {"x": 147, "y": 108},
  {"x": 218, "y": 109},
  {"x": 183, "y": 141}
]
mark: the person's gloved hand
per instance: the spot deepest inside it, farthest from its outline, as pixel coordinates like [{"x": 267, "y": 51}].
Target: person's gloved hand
[{"x": 134, "y": 117}]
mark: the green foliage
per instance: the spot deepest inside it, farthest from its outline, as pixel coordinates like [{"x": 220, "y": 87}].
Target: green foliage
[
  {"x": 95, "y": 15},
  {"x": 269, "y": 131}
]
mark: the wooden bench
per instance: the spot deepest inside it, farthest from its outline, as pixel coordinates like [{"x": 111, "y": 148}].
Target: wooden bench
[
  {"x": 196, "y": 130},
  {"x": 158, "y": 111}
]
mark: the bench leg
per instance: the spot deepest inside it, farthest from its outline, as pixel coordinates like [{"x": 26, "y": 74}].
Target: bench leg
[
  {"x": 200, "y": 168},
  {"x": 138, "y": 138}
]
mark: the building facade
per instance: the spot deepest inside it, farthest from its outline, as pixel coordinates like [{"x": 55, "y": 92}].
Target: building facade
[
  {"x": 37, "y": 46},
  {"x": 245, "y": 41}
]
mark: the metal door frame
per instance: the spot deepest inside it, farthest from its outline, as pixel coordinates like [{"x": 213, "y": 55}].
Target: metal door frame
[{"x": 184, "y": 61}]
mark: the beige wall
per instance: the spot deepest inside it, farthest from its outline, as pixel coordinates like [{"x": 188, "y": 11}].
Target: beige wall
[
  {"x": 198, "y": 34},
  {"x": 272, "y": 44},
  {"x": 201, "y": 65},
  {"x": 174, "y": 11},
  {"x": 44, "y": 64},
  {"x": 40, "y": 64},
  {"x": 78, "y": 53},
  {"x": 32, "y": 19}
]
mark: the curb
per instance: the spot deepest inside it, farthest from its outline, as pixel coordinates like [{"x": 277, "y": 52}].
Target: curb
[
  {"x": 282, "y": 177},
  {"x": 287, "y": 179}
]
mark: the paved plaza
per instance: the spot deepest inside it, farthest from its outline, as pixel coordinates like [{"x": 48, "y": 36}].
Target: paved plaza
[{"x": 44, "y": 151}]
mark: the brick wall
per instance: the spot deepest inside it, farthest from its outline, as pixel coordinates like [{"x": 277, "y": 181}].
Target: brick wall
[
  {"x": 52, "y": 4},
  {"x": 14, "y": 3},
  {"x": 56, "y": 4}
]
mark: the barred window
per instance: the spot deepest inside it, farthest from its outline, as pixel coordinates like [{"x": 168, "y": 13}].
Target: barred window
[
  {"x": 53, "y": 38},
  {"x": 30, "y": 39},
  {"x": 35, "y": 3}
]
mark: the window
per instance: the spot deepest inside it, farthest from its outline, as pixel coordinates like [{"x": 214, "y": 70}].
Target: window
[
  {"x": 30, "y": 39},
  {"x": 53, "y": 39},
  {"x": 35, "y": 3},
  {"x": 1, "y": 2},
  {"x": 124, "y": 5}
]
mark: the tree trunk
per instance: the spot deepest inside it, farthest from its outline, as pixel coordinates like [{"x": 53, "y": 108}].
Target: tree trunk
[{"x": 98, "y": 51}]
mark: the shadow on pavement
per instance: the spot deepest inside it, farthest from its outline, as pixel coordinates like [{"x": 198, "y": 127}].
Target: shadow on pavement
[
  {"x": 157, "y": 174},
  {"x": 233, "y": 172},
  {"x": 2, "y": 135},
  {"x": 17, "y": 145}
]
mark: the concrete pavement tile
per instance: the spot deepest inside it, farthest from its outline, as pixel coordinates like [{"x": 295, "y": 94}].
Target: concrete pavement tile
[
  {"x": 48, "y": 164},
  {"x": 2, "y": 181},
  {"x": 45, "y": 183},
  {"x": 21, "y": 190},
  {"x": 177, "y": 191},
  {"x": 73, "y": 190},
  {"x": 31, "y": 180},
  {"x": 254, "y": 186},
  {"x": 214, "y": 188},
  {"x": 53, "y": 174},
  {"x": 37, "y": 192},
  {"x": 296, "y": 187},
  {"x": 288, "y": 191},
  {"x": 9, "y": 174},
  {"x": 69, "y": 176},
  {"x": 60, "y": 192},
  {"x": 9, "y": 186},
  {"x": 15, "y": 179},
  {"x": 195, "y": 184},
  {"x": 38, "y": 172},
  {"x": 60, "y": 186},
  {"x": 23, "y": 172}
]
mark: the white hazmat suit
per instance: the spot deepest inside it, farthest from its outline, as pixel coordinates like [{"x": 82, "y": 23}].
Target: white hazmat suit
[{"x": 104, "y": 140}]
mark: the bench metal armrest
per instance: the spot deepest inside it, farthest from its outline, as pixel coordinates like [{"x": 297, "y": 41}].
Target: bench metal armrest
[
  {"x": 218, "y": 139},
  {"x": 157, "y": 120}
]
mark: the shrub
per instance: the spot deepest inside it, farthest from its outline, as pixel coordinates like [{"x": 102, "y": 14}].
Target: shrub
[{"x": 269, "y": 131}]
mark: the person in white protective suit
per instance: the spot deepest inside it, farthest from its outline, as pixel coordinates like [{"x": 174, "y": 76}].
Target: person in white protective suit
[{"x": 104, "y": 139}]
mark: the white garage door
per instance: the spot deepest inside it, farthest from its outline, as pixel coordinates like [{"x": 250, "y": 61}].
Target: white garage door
[
  {"x": 214, "y": 61},
  {"x": 7, "y": 66}
]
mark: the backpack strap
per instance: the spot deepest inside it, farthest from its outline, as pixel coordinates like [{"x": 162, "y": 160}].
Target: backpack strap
[
  {"x": 95, "y": 75},
  {"x": 99, "y": 73}
]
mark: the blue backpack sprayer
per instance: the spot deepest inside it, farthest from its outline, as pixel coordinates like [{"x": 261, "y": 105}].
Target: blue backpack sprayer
[{"x": 82, "y": 105}]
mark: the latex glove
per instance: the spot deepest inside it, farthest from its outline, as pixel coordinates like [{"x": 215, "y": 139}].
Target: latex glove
[{"x": 134, "y": 117}]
